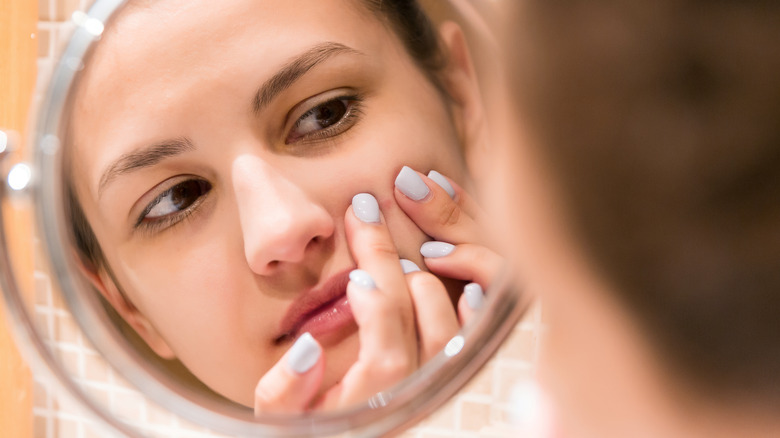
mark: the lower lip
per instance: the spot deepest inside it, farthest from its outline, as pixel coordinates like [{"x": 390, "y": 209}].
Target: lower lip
[{"x": 331, "y": 323}]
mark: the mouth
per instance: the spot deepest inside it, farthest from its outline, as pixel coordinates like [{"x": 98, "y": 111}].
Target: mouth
[{"x": 324, "y": 312}]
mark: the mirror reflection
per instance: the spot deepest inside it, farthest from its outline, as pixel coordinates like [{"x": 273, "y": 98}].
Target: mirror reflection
[{"x": 273, "y": 196}]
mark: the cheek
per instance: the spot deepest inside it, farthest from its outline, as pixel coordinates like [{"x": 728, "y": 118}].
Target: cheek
[{"x": 198, "y": 295}]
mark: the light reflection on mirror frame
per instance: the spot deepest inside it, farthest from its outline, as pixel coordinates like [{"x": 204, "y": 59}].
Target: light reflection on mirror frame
[{"x": 390, "y": 410}]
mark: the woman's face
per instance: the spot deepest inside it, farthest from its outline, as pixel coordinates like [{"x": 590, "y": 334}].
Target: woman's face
[{"x": 217, "y": 150}]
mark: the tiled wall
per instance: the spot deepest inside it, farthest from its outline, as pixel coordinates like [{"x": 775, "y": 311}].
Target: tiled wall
[{"x": 480, "y": 410}]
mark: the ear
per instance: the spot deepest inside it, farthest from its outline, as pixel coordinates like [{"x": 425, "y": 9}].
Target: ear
[
  {"x": 106, "y": 285},
  {"x": 460, "y": 80}
]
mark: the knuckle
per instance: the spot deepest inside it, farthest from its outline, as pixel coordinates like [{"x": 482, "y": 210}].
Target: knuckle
[
  {"x": 382, "y": 247},
  {"x": 448, "y": 214},
  {"x": 263, "y": 398},
  {"x": 424, "y": 281},
  {"x": 394, "y": 367}
]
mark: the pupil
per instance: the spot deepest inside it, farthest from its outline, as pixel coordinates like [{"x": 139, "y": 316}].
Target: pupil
[
  {"x": 186, "y": 193},
  {"x": 330, "y": 113}
]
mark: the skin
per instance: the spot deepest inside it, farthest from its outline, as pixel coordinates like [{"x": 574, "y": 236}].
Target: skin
[{"x": 211, "y": 289}]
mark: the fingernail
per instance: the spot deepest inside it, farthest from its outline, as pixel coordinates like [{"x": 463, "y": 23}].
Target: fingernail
[
  {"x": 304, "y": 353},
  {"x": 411, "y": 185},
  {"x": 366, "y": 208},
  {"x": 362, "y": 279},
  {"x": 436, "y": 249},
  {"x": 442, "y": 182},
  {"x": 474, "y": 295},
  {"x": 409, "y": 266}
]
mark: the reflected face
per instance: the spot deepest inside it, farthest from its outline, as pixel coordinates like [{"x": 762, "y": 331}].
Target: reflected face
[{"x": 216, "y": 152}]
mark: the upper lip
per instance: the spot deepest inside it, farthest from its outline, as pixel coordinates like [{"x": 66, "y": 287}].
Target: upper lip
[{"x": 310, "y": 303}]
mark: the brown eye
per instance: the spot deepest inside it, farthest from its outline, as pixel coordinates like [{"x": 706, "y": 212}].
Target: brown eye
[
  {"x": 324, "y": 120},
  {"x": 329, "y": 113},
  {"x": 177, "y": 198}
]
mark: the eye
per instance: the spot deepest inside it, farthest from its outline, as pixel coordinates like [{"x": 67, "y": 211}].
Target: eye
[
  {"x": 174, "y": 204},
  {"x": 325, "y": 120}
]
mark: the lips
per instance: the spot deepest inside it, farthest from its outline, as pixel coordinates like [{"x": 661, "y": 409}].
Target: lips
[{"x": 324, "y": 312}]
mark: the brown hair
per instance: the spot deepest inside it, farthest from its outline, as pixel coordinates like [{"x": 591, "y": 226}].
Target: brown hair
[{"x": 660, "y": 121}]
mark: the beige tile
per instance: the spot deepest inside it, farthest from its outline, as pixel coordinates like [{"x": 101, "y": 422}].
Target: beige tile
[
  {"x": 70, "y": 360},
  {"x": 40, "y": 427},
  {"x": 507, "y": 376},
  {"x": 65, "y": 9},
  {"x": 67, "y": 330},
  {"x": 45, "y": 12},
  {"x": 43, "y": 325},
  {"x": 66, "y": 428},
  {"x": 444, "y": 417},
  {"x": 127, "y": 406},
  {"x": 473, "y": 415},
  {"x": 158, "y": 416},
  {"x": 57, "y": 300},
  {"x": 521, "y": 345},
  {"x": 99, "y": 396},
  {"x": 40, "y": 395},
  {"x": 42, "y": 284},
  {"x": 433, "y": 434},
  {"x": 92, "y": 431},
  {"x": 482, "y": 383},
  {"x": 95, "y": 368}
]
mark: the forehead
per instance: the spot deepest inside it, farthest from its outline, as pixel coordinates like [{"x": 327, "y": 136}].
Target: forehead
[
  {"x": 162, "y": 57},
  {"x": 167, "y": 40}
]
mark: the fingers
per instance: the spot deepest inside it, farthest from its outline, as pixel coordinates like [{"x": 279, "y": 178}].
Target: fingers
[
  {"x": 382, "y": 307},
  {"x": 438, "y": 206},
  {"x": 437, "y": 322},
  {"x": 374, "y": 251},
  {"x": 380, "y": 328},
  {"x": 468, "y": 262},
  {"x": 291, "y": 385},
  {"x": 470, "y": 302}
]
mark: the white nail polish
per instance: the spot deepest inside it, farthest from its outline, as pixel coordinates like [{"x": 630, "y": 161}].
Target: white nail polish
[
  {"x": 366, "y": 208},
  {"x": 436, "y": 249},
  {"x": 475, "y": 297},
  {"x": 409, "y": 266},
  {"x": 304, "y": 354},
  {"x": 442, "y": 182},
  {"x": 362, "y": 279},
  {"x": 411, "y": 185}
]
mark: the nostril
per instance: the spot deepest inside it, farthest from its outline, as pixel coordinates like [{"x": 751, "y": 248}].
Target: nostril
[
  {"x": 273, "y": 263},
  {"x": 312, "y": 243}
]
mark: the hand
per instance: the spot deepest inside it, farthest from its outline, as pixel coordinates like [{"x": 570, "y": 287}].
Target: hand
[
  {"x": 444, "y": 211},
  {"x": 403, "y": 320}
]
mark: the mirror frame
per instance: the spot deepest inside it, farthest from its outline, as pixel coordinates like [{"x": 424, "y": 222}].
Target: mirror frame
[{"x": 389, "y": 411}]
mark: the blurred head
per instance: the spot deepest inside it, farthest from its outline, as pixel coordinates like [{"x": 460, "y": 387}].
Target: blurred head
[
  {"x": 645, "y": 158},
  {"x": 215, "y": 150}
]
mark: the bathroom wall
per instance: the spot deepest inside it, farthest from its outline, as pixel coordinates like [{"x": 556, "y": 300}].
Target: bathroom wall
[{"x": 482, "y": 409}]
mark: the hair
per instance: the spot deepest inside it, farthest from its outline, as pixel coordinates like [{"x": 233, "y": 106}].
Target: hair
[
  {"x": 660, "y": 123},
  {"x": 405, "y": 18}
]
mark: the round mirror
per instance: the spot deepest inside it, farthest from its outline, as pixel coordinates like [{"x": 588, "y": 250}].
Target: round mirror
[{"x": 261, "y": 214}]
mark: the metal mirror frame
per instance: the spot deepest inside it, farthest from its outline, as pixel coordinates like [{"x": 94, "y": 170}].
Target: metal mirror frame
[{"x": 389, "y": 411}]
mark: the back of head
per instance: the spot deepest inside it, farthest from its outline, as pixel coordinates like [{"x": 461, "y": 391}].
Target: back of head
[{"x": 661, "y": 122}]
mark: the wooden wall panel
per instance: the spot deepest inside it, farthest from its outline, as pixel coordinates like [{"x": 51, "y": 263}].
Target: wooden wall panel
[{"x": 18, "y": 53}]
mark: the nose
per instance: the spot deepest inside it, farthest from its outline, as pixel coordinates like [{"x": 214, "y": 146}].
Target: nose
[{"x": 279, "y": 222}]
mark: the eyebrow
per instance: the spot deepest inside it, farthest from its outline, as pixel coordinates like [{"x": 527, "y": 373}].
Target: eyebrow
[
  {"x": 146, "y": 157},
  {"x": 296, "y": 68}
]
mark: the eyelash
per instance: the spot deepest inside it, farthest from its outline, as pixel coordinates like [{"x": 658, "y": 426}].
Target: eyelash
[
  {"x": 167, "y": 221},
  {"x": 354, "y": 111}
]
